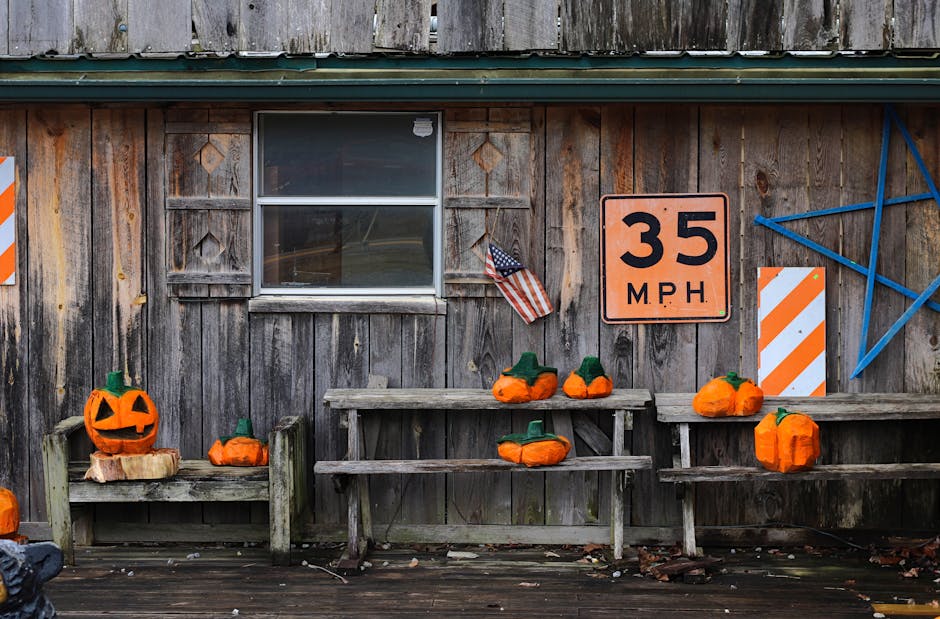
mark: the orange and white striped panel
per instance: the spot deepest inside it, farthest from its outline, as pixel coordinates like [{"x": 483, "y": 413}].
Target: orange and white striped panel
[
  {"x": 791, "y": 331},
  {"x": 7, "y": 222}
]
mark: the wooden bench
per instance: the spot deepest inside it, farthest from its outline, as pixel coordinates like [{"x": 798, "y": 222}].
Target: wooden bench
[
  {"x": 676, "y": 408},
  {"x": 352, "y": 403},
  {"x": 280, "y": 484}
]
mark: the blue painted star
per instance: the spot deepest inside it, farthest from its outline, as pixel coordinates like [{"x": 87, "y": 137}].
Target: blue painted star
[{"x": 866, "y": 355}]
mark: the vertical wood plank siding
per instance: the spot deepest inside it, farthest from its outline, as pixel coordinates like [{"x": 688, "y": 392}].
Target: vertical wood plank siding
[
  {"x": 15, "y": 471},
  {"x": 93, "y": 190},
  {"x": 366, "y": 26},
  {"x": 98, "y": 26}
]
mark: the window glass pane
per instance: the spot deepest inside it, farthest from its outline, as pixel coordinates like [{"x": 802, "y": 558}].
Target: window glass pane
[
  {"x": 348, "y": 154},
  {"x": 348, "y": 246}
]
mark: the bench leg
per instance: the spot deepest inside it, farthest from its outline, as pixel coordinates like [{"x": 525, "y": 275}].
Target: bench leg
[
  {"x": 688, "y": 520},
  {"x": 280, "y": 509},
  {"x": 617, "y": 480},
  {"x": 56, "y": 477},
  {"x": 357, "y": 492},
  {"x": 688, "y": 494}
]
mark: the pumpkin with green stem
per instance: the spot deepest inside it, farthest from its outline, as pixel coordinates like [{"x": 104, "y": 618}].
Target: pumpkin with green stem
[
  {"x": 588, "y": 381},
  {"x": 240, "y": 448},
  {"x": 526, "y": 381},
  {"x": 786, "y": 442},
  {"x": 728, "y": 396},
  {"x": 535, "y": 447},
  {"x": 121, "y": 419}
]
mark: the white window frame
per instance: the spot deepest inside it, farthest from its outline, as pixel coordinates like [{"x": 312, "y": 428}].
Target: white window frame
[{"x": 259, "y": 202}]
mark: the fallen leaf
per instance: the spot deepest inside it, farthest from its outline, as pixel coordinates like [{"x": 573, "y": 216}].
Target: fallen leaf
[
  {"x": 459, "y": 554},
  {"x": 551, "y": 554},
  {"x": 886, "y": 559},
  {"x": 589, "y": 548},
  {"x": 530, "y": 585},
  {"x": 914, "y": 572},
  {"x": 414, "y": 563}
]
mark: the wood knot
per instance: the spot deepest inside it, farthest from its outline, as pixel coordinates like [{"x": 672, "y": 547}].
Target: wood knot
[{"x": 762, "y": 183}]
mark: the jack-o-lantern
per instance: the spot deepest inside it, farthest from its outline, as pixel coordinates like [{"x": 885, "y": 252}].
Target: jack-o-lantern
[
  {"x": 121, "y": 419},
  {"x": 239, "y": 449},
  {"x": 9, "y": 514}
]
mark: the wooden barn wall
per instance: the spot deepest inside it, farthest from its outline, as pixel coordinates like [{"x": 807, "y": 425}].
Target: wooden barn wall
[
  {"x": 122, "y": 211},
  {"x": 52, "y": 27}
]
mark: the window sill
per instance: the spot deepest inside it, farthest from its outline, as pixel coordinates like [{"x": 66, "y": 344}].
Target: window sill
[{"x": 418, "y": 304}]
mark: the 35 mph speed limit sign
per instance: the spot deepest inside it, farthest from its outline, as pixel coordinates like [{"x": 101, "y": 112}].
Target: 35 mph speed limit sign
[{"x": 664, "y": 258}]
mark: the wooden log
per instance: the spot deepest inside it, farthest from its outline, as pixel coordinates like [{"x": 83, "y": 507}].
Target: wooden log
[{"x": 160, "y": 463}]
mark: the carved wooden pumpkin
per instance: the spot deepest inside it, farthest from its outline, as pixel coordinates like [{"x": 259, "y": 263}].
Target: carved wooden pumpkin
[
  {"x": 9, "y": 513},
  {"x": 535, "y": 447},
  {"x": 588, "y": 381},
  {"x": 526, "y": 381},
  {"x": 121, "y": 419},
  {"x": 728, "y": 396},
  {"x": 239, "y": 449},
  {"x": 786, "y": 442}
]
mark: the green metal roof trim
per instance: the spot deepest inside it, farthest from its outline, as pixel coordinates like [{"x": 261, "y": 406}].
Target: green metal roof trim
[{"x": 649, "y": 77}]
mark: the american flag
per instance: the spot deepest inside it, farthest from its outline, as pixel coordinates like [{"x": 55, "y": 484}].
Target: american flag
[{"x": 518, "y": 284}]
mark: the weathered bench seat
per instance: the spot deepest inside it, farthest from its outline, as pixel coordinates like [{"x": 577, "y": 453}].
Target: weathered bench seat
[
  {"x": 676, "y": 408},
  {"x": 280, "y": 485},
  {"x": 351, "y": 403}
]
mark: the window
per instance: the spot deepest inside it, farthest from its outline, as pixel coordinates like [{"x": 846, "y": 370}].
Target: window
[{"x": 348, "y": 203}]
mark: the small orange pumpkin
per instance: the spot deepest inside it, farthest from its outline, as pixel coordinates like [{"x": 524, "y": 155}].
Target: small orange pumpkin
[
  {"x": 9, "y": 514},
  {"x": 121, "y": 419},
  {"x": 526, "y": 381},
  {"x": 535, "y": 447},
  {"x": 728, "y": 396},
  {"x": 786, "y": 442},
  {"x": 239, "y": 449},
  {"x": 588, "y": 381}
]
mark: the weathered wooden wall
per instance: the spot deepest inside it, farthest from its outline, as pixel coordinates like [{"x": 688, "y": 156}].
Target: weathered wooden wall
[
  {"x": 56, "y": 27},
  {"x": 117, "y": 209}
]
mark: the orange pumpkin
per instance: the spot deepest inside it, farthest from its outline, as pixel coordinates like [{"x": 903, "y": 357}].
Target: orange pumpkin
[
  {"x": 786, "y": 442},
  {"x": 588, "y": 381},
  {"x": 121, "y": 419},
  {"x": 728, "y": 396},
  {"x": 239, "y": 449},
  {"x": 9, "y": 514},
  {"x": 535, "y": 447},
  {"x": 526, "y": 381}
]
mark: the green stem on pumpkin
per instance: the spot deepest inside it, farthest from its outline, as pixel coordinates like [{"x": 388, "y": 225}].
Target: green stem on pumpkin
[
  {"x": 590, "y": 369},
  {"x": 243, "y": 429},
  {"x": 115, "y": 384},
  {"x": 528, "y": 368},
  {"x": 534, "y": 433},
  {"x": 734, "y": 380},
  {"x": 783, "y": 413}
]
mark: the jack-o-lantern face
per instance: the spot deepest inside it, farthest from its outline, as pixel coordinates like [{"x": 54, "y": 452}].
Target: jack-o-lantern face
[{"x": 121, "y": 419}]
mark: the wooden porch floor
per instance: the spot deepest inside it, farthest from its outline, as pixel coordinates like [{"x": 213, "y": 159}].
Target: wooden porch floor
[{"x": 540, "y": 582}]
